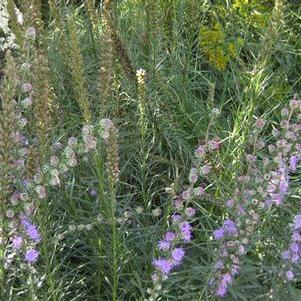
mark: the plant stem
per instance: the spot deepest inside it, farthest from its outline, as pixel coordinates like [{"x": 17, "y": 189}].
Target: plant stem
[{"x": 99, "y": 168}]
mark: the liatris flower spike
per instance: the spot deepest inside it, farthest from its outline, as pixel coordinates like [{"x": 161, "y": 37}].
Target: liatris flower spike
[{"x": 180, "y": 232}]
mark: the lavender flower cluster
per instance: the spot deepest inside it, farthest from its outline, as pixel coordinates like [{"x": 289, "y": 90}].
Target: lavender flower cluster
[
  {"x": 228, "y": 264},
  {"x": 288, "y": 158},
  {"x": 23, "y": 235},
  {"x": 21, "y": 231},
  {"x": 24, "y": 200},
  {"x": 285, "y": 153},
  {"x": 30, "y": 182},
  {"x": 235, "y": 233},
  {"x": 292, "y": 255},
  {"x": 265, "y": 184},
  {"x": 180, "y": 231}
]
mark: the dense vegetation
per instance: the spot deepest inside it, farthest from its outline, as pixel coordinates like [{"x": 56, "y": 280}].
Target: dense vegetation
[{"x": 149, "y": 150}]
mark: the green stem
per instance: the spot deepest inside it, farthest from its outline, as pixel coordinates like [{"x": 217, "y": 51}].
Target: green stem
[
  {"x": 114, "y": 240},
  {"x": 115, "y": 254},
  {"x": 99, "y": 164},
  {"x": 3, "y": 196}
]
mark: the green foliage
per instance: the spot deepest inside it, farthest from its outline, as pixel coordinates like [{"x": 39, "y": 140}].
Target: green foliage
[{"x": 239, "y": 56}]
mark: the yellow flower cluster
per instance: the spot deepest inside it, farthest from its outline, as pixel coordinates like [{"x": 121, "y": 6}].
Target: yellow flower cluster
[
  {"x": 255, "y": 12},
  {"x": 214, "y": 44},
  {"x": 240, "y": 3}
]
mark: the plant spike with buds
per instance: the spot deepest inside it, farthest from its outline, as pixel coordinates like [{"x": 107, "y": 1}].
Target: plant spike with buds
[
  {"x": 77, "y": 72},
  {"x": 7, "y": 129}
]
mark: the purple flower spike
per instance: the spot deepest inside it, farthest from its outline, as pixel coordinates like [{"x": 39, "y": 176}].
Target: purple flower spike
[
  {"x": 163, "y": 265},
  {"x": 170, "y": 236},
  {"x": 219, "y": 234},
  {"x": 17, "y": 242},
  {"x": 33, "y": 233},
  {"x": 221, "y": 290},
  {"x": 31, "y": 256},
  {"x": 293, "y": 163},
  {"x": 230, "y": 227},
  {"x": 177, "y": 254},
  {"x": 186, "y": 231},
  {"x": 163, "y": 245},
  {"x": 180, "y": 230},
  {"x": 176, "y": 218},
  {"x": 289, "y": 275},
  {"x": 297, "y": 222}
]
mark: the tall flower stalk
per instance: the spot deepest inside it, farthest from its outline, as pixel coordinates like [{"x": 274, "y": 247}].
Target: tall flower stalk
[
  {"x": 143, "y": 126},
  {"x": 110, "y": 135},
  {"x": 7, "y": 130},
  {"x": 170, "y": 250},
  {"x": 119, "y": 48},
  {"x": 77, "y": 71},
  {"x": 107, "y": 54}
]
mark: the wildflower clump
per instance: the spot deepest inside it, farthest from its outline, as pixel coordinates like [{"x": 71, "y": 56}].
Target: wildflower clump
[
  {"x": 215, "y": 45},
  {"x": 287, "y": 154},
  {"x": 25, "y": 191},
  {"x": 255, "y": 12},
  {"x": 19, "y": 235},
  {"x": 234, "y": 236},
  {"x": 244, "y": 208},
  {"x": 284, "y": 150},
  {"x": 265, "y": 184},
  {"x": 180, "y": 230}
]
